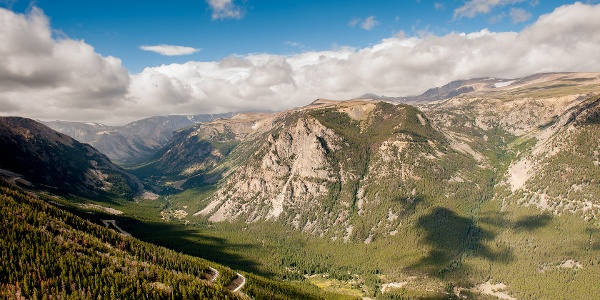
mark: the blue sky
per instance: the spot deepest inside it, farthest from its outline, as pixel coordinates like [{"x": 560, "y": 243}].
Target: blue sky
[
  {"x": 118, "y": 61},
  {"x": 119, "y": 28}
]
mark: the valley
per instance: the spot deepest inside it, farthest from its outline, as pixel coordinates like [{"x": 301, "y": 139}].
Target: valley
[{"x": 482, "y": 189}]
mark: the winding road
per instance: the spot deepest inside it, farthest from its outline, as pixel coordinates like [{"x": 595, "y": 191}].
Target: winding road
[
  {"x": 234, "y": 286},
  {"x": 212, "y": 276},
  {"x": 237, "y": 284},
  {"x": 114, "y": 224}
]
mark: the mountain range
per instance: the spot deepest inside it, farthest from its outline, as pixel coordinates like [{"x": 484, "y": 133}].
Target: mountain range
[
  {"x": 134, "y": 142},
  {"x": 481, "y": 188}
]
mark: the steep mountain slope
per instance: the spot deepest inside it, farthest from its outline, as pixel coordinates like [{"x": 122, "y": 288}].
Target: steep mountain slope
[
  {"x": 548, "y": 122},
  {"x": 560, "y": 172},
  {"x": 134, "y": 142},
  {"x": 51, "y": 160}
]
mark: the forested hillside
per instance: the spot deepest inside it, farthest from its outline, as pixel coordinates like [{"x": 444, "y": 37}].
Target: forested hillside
[{"x": 46, "y": 252}]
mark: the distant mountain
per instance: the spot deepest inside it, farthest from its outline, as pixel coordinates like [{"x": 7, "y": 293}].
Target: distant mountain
[
  {"x": 447, "y": 91},
  {"x": 34, "y": 153},
  {"x": 132, "y": 143}
]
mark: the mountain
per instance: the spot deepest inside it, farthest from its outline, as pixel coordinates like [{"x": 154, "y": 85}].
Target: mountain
[
  {"x": 447, "y": 91},
  {"x": 134, "y": 142},
  {"x": 550, "y": 123},
  {"x": 34, "y": 154},
  {"x": 488, "y": 193},
  {"x": 321, "y": 167},
  {"x": 496, "y": 184}
]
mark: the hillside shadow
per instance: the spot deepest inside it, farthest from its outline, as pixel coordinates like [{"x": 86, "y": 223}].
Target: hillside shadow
[
  {"x": 530, "y": 223},
  {"x": 190, "y": 240},
  {"x": 181, "y": 238},
  {"x": 450, "y": 237}
]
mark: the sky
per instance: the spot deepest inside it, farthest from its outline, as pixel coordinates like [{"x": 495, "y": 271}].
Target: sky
[{"x": 118, "y": 61}]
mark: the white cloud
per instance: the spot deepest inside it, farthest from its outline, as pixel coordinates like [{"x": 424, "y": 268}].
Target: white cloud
[
  {"x": 565, "y": 40},
  {"x": 37, "y": 80},
  {"x": 225, "y": 9},
  {"x": 170, "y": 50},
  {"x": 369, "y": 23},
  {"x": 474, "y": 7},
  {"x": 519, "y": 15},
  {"x": 45, "y": 77},
  {"x": 438, "y": 5},
  {"x": 366, "y": 24},
  {"x": 294, "y": 44}
]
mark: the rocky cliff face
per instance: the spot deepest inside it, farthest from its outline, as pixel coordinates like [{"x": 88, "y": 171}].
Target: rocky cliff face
[
  {"x": 325, "y": 168},
  {"x": 290, "y": 169},
  {"x": 51, "y": 160}
]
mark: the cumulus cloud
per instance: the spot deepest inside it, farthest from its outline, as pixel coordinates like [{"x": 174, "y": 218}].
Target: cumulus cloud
[
  {"x": 565, "y": 40},
  {"x": 170, "y": 50},
  {"x": 47, "y": 77},
  {"x": 438, "y": 5},
  {"x": 69, "y": 86},
  {"x": 475, "y": 7},
  {"x": 225, "y": 9}
]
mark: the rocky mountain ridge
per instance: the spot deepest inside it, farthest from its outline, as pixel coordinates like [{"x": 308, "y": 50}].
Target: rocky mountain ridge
[
  {"x": 134, "y": 142},
  {"x": 447, "y": 91}
]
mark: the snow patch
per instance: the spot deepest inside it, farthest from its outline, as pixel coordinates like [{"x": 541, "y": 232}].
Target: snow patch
[{"x": 503, "y": 84}]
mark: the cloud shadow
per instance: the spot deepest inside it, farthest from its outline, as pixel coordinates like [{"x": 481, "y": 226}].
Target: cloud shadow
[{"x": 449, "y": 237}]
